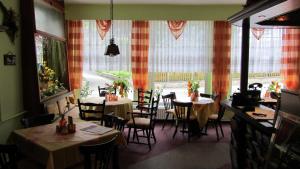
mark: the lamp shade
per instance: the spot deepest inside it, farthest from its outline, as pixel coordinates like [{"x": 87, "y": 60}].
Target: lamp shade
[{"x": 112, "y": 49}]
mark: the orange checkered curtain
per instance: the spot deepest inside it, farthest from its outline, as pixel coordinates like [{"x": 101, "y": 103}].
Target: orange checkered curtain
[
  {"x": 221, "y": 58},
  {"x": 176, "y": 27},
  {"x": 103, "y": 27},
  {"x": 139, "y": 53},
  {"x": 75, "y": 53},
  {"x": 290, "y": 60}
]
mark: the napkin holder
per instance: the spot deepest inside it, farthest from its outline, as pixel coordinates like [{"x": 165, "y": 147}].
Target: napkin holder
[{"x": 64, "y": 128}]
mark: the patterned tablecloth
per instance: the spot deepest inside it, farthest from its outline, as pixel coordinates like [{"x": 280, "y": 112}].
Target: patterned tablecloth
[
  {"x": 202, "y": 109},
  {"x": 58, "y": 151},
  {"x": 120, "y": 107}
]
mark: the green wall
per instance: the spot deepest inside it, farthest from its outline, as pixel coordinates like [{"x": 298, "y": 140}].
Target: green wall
[
  {"x": 152, "y": 12},
  {"x": 11, "y": 106}
]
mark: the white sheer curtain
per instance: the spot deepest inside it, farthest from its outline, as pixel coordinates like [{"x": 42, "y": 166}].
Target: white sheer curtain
[
  {"x": 264, "y": 54},
  {"x": 94, "y": 47},
  {"x": 191, "y": 52}
]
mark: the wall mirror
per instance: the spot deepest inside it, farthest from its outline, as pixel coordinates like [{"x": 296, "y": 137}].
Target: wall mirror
[{"x": 51, "y": 66}]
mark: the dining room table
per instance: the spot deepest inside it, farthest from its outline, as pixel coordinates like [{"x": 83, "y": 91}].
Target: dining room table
[
  {"x": 202, "y": 108},
  {"x": 120, "y": 107},
  {"x": 54, "y": 150}
]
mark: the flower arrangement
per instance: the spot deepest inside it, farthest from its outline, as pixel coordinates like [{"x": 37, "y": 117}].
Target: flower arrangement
[
  {"x": 122, "y": 85},
  {"x": 158, "y": 91},
  {"x": 195, "y": 86},
  {"x": 46, "y": 74},
  {"x": 49, "y": 85},
  {"x": 193, "y": 90},
  {"x": 274, "y": 87},
  {"x": 85, "y": 89}
]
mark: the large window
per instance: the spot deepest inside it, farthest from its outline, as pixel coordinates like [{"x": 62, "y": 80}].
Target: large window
[
  {"x": 99, "y": 69},
  {"x": 264, "y": 58},
  {"x": 173, "y": 62}
]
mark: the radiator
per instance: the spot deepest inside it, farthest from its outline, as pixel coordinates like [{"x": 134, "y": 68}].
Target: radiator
[{"x": 161, "y": 115}]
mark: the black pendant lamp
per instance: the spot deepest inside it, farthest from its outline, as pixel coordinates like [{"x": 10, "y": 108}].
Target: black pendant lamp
[{"x": 112, "y": 49}]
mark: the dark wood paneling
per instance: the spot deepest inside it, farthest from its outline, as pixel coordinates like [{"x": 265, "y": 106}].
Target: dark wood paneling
[{"x": 31, "y": 98}]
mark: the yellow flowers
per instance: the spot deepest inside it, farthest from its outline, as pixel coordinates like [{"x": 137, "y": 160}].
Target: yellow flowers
[
  {"x": 46, "y": 74},
  {"x": 49, "y": 85}
]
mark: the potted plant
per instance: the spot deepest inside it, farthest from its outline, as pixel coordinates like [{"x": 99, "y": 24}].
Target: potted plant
[
  {"x": 274, "y": 87},
  {"x": 195, "y": 93},
  {"x": 158, "y": 91},
  {"x": 123, "y": 86}
]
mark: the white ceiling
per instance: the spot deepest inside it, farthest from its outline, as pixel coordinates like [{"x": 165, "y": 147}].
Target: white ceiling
[{"x": 174, "y": 2}]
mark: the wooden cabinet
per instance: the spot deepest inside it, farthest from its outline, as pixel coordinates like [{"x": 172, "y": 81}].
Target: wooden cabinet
[
  {"x": 40, "y": 18},
  {"x": 250, "y": 139}
]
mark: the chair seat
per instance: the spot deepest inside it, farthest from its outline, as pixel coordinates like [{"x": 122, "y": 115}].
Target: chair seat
[
  {"x": 172, "y": 111},
  {"x": 139, "y": 111},
  {"x": 213, "y": 117},
  {"x": 139, "y": 122}
]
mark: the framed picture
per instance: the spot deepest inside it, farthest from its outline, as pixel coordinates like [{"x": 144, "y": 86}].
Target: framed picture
[{"x": 9, "y": 59}]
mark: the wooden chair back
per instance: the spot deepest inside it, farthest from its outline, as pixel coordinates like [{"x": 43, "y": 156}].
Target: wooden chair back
[
  {"x": 144, "y": 98},
  {"x": 183, "y": 110},
  {"x": 8, "y": 156},
  {"x": 96, "y": 110},
  {"x": 104, "y": 90},
  {"x": 153, "y": 110},
  {"x": 221, "y": 112},
  {"x": 168, "y": 101},
  {"x": 113, "y": 121},
  {"x": 98, "y": 156},
  {"x": 212, "y": 96}
]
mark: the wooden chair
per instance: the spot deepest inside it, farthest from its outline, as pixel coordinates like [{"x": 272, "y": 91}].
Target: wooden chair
[
  {"x": 104, "y": 90},
  {"x": 276, "y": 96},
  {"x": 144, "y": 100},
  {"x": 143, "y": 121},
  {"x": 215, "y": 119},
  {"x": 183, "y": 112},
  {"x": 37, "y": 120},
  {"x": 95, "y": 111},
  {"x": 212, "y": 96},
  {"x": 8, "y": 156},
  {"x": 98, "y": 156},
  {"x": 168, "y": 104},
  {"x": 113, "y": 121}
]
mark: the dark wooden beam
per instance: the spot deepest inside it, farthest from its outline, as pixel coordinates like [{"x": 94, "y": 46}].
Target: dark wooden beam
[{"x": 245, "y": 56}]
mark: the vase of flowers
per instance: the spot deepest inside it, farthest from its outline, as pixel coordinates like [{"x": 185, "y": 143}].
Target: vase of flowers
[
  {"x": 273, "y": 87},
  {"x": 195, "y": 92},
  {"x": 123, "y": 86}
]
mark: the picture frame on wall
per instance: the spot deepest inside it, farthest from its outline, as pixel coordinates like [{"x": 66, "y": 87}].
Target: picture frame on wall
[{"x": 10, "y": 59}]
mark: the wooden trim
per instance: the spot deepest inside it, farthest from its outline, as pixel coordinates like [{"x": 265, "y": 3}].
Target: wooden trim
[
  {"x": 50, "y": 35},
  {"x": 55, "y": 4},
  {"x": 56, "y": 97},
  {"x": 253, "y": 9}
]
